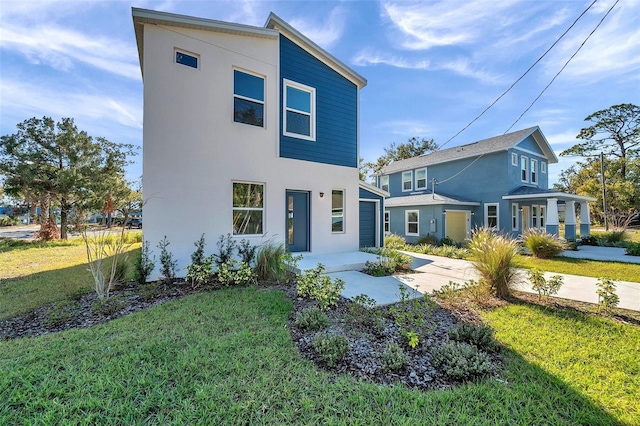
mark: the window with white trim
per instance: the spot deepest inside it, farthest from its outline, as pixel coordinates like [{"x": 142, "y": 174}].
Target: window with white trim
[
  {"x": 543, "y": 167},
  {"x": 248, "y": 208},
  {"x": 407, "y": 181},
  {"x": 248, "y": 98},
  {"x": 534, "y": 216},
  {"x": 412, "y": 226},
  {"x": 514, "y": 216},
  {"x": 524, "y": 169},
  {"x": 542, "y": 216},
  {"x": 337, "y": 210},
  {"x": 387, "y": 221},
  {"x": 421, "y": 179},
  {"x": 514, "y": 159},
  {"x": 187, "y": 59},
  {"x": 534, "y": 171},
  {"x": 299, "y": 115},
  {"x": 384, "y": 183},
  {"x": 491, "y": 216}
]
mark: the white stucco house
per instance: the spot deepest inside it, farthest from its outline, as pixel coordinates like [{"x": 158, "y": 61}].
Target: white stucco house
[{"x": 251, "y": 131}]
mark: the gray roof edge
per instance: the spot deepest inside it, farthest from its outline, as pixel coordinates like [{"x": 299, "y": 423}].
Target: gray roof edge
[
  {"x": 374, "y": 189},
  {"x": 274, "y": 21}
]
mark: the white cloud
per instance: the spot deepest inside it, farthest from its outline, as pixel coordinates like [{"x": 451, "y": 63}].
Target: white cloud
[
  {"x": 407, "y": 128},
  {"x": 367, "y": 57},
  {"x": 324, "y": 33}
]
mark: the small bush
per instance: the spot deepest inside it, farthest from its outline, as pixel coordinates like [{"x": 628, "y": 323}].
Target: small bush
[
  {"x": 461, "y": 361},
  {"x": 452, "y": 252},
  {"x": 363, "y": 309},
  {"x": 234, "y": 273},
  {"x": 312, "y": 319},
  {"x": 61, "y": 312},
  {"x": 274, "y": 263},
  {"x": 247, "y": 252},
  {"x": 633, "y": 249},
  {"x": 122, "y": 270},
  {"x": 314, "y": 285},
  {"x": 494, "y": 259},
  {"x": 612, "y": 239},
  {"x": 542, "y": 244},
  {"x": 607, "y": 297},
  {"x": 226, "y": 247},
  {"x": 476, "y": 291},
  {"x": 395, "y": 242},
  {"x": 168, "y": 264},
  {"x": 480, "y": 336},
  {"x": 428, "y": 239},
  {"x": 331, "y": 348},
  {"x": 200, "y": 271},
  {"x": 447, "y": 241},
  {"x": 108, "y": 306},
  {"x": 382, "y": 267},
  {"x": 144, "y": 264},
  {"x": 393, "y": 357},
  {"x": 589, "y": 240},
  {"x": 543, "y": 286}
]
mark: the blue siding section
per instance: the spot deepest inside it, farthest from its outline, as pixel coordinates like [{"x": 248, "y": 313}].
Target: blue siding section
[
  {"x": 530, "y": 144},
  {"x": 336, "y": 110},
  {"x": 366, "y": 195}
]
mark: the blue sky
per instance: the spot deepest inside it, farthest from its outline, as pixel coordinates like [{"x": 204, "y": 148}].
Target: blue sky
[{"x": 431, "y": 66}]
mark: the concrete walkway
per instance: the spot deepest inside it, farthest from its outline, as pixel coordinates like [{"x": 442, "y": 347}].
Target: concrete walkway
[{"x": 432, "y": 272}]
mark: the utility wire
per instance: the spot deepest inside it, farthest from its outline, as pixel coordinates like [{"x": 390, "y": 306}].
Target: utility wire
[{"x": 522, "y": 76}]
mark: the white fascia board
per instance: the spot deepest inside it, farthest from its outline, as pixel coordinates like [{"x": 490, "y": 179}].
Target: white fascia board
[
  {"x": 559, "y": 195},
  {"x": 431, "y": 203},
  {"x": 373, "y": 189}
]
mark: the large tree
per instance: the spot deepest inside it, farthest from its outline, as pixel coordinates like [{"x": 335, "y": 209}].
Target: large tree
[
  {"x": 59, "y": 163},
  {"x": 615, "y": 133},
  {"x": 414, "y": 147}
]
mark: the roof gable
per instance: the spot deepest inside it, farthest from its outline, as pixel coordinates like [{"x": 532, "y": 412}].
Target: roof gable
[{"x": 475, "y": 149}]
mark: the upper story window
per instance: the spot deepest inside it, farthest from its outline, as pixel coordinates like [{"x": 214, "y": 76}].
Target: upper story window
[
  {"x": 248, "y": 98},
  {"x": 534, "y": 171},
  {"x": 299, "y": 115},
  {"x": 407, "y": 181},
  {"x": 188, "y": 59},
  {"x": 491, "y": 216},
  {"x": 384, "y": 183},
  {"x": 248, "y": 208},
  {"x": 337, "y": 210},
  {"x": 514, "y": 159},
  {"x": 543, "y": 167},
  {"x": 421, "y": 179},
  {"x": 524, "y": 169}
]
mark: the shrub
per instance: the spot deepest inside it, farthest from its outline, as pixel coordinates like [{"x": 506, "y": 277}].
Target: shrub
[
  {"x": 428, "y": 239},
  {"x": 144, "y": 264},
  {"x": 247, "y": 252},
  {"x": 494, "y": 259},
  {"x": 452, "y": 252},
  {"x": 412, "y": 313},
  {"x": 607, "y": 297},
  {"x": 393, "y": 357},
  {"x": 269, "y": 264},
  {"x": 461, "y": 361},
  {"x": 313, "y": 284},
  {"x": 480, "y": 336},
  {"x": 542, "y": 244},
  {"x": 363, "y": 309},
  {"x": 226, "y": 247},
  {"x": 543, "y": 286},
  {"x": 476, "y": 291},
  {"x": 312, "y": 319},
  {"x": 234, "y": 272},
  {"x": 394, "y": 241},
  {"x": 633, "y": 249},
  {"x": 589, "y": 240},
  {"x": 331, "y": 348},
  {"x": 382, "y": 267},
  {"x": 612, "y": 239},
  {"x": 447, "y": 241},
  {"x": 389, "y": 260},
  {"x": 200, "y": 270},
  {"x": 108, "y": 306},
  {"x": 168, "y": 264}
]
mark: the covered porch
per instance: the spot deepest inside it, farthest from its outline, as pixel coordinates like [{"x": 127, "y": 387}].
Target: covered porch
[{"x": 548, "y": 217}]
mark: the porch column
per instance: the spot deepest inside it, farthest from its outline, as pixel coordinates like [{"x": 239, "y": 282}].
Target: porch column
[
  {"x": 585, "y": 220},
  {"x": 552, "y": 224},
  {"x": 570, "y": 221}
]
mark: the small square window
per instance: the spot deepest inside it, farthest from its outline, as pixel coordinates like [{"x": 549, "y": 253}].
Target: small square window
[{"x": 186, "y": 59}]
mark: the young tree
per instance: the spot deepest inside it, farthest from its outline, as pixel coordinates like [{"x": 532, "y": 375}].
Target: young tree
[
  {"x": 58, "y": 162},
  {"x": 396, "y": 152}
]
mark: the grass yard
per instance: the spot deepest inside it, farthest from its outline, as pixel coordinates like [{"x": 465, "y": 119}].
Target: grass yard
[
  {"x": 34, "y": 274},
  {"x": 584, "y": 267},
  {"x": 226, "y": 357}
]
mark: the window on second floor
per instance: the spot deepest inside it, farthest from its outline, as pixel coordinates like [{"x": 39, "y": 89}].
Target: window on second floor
[
  {"x": 187, "y": 59},
  {"x": 543, "y": 167},
  {"x": 421, "y": 179},
  {"x": 407, "y": 181},
  {"x": 248, "y": 98},
  {"x": 384, "y": 183},
  {"x": 524, "y": 169},
  {"x": 299, "y": 115},
  {"x": 514, "y": 159},
  {"x": 534, "y": 171}
]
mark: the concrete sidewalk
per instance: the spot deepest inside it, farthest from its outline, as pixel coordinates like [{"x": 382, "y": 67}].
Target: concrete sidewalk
[{"x": 432, "y": 272}]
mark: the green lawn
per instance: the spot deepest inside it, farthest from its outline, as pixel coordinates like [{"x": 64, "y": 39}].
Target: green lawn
[
  {"x": 584, "y": 267},
  {"x": 226, "y": 357}
]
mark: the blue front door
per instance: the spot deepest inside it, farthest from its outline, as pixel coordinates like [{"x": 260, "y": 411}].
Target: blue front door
[{"x": 297, "y": 221}]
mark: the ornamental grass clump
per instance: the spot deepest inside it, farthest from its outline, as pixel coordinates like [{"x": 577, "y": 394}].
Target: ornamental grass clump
[
  {"x": 542, "y": 244},
  {"x": 493, "y": 257}
]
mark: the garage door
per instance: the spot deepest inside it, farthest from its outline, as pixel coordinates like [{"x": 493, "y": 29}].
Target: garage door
[
  {"x": 367, "y": 224},
  {"x": 456, "y": 228}
]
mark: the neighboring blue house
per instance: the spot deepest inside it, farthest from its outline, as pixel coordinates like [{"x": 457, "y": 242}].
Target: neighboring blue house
[{"x": 500, "y": 183}]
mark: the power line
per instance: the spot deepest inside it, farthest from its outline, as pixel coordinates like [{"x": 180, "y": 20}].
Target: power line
[{"x": 522, "y": 76}]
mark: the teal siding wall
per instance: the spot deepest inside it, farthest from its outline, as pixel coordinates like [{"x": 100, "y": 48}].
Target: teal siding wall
[
  {"x": 336, "y": 110},
  {"x": 366, "y": 195}
]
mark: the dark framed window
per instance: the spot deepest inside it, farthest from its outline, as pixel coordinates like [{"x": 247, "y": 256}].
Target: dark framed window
[
  {"x": 337, "y": 210},
  {"x": 186, "y": 59}
]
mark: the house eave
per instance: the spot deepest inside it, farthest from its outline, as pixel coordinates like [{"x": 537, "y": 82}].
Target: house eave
[
  {"x": 559, "y": 195},
  {"x": 373, "y": 189},
  {"x": 435, "y": 202}
]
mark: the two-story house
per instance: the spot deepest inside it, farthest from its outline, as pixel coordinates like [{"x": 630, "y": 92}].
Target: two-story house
[
  {"x": 500, "y": 183},
  {"x": 251, "y": 131}
]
